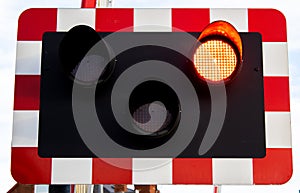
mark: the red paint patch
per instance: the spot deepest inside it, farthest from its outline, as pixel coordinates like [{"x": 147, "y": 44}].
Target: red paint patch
[
  {"x": 190, "y": 20},
  {"x": 105, "y": 171},
  {"x": 28, "y": 168},
  {"x": 275, "y": 168},
  {"x": 270, "y": 23},
  {"x": 277, "y": 97},
  {"x": 192, "y": 171},
  {"x": 34, "y": 22},
  {"x": 27, "y": 92},
  {"x": 111, "y": 20}
]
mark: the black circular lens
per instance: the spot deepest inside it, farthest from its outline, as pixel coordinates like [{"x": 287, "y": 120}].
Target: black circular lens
[
  {"x": 155, "y": 109},
  {"x": 81, "y": 61}
]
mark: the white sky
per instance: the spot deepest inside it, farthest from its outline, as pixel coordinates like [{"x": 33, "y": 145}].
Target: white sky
[{"x": 11, "y": 9}]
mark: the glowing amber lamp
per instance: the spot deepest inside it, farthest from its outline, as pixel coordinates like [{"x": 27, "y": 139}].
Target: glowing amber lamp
[{"x": 219, "y": 55}]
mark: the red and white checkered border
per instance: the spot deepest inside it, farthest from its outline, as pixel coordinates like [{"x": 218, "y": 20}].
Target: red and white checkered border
[{"x": 28, "y": 168}]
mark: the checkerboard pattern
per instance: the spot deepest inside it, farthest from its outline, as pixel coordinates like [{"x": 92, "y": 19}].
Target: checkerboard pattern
[{"x": 28, "y": 168}]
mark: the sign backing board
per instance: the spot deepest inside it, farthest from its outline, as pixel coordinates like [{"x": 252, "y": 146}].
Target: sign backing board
[{"x": 29, "y": 168}]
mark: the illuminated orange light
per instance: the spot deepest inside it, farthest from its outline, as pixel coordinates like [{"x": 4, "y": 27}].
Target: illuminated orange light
[
  {"x": 225, "y": 30},
  {"x": 215, "y": 60},
  {"x": 220, "y": 52}
]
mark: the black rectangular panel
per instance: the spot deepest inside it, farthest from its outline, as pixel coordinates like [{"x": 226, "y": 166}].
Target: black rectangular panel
[{"x": 243, "y": 130}]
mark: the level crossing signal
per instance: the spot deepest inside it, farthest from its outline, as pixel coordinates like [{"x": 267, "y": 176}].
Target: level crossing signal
[{"x": 141, "y": 97}]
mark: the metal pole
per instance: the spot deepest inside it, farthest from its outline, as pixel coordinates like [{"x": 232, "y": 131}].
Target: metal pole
[
  {"x": 88, "y": 3},
  {"x": 101, "y": 189},
  {"x": 59, "y": 189},
  {"x": 94, "y": 4},
  {"x": 217, "y": 188},
  {"x": 104, "y": 3},
  {"x": 98, "y": 188}
]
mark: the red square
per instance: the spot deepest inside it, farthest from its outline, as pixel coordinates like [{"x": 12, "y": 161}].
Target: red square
[
  {"x": 275, "y": 168},
  {"x": 111, "y": 20},
  {"x": 270, "y": 23},
  {"x": 34, "y": 22},
  {"x": 277, "y": 97},
  {"x": 28, "y": 168},
  {"x": 112, "y": 171},
  {"x": 27, "y": 92},
  {"x": 88, "y": 3},
  {"x": 190, "y": 20},
  {"x": 192, "y": 171}
]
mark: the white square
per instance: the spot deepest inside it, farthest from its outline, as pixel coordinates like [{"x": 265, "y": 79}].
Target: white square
[
  {"x": 152, "y": 171},
  {"x": 71, "y": 171},
  {"x": 68, "y": 18},
  {"x": 152, "y": 20},
  {"x": 275, "y": 59},
  {"x": 25, "y": 129},
  {"x": 236, "y": 17},
  {"x": 232, "y": 171},
  {"x": 29, "y": 55},
  {"x": 278, "y": 129}
]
